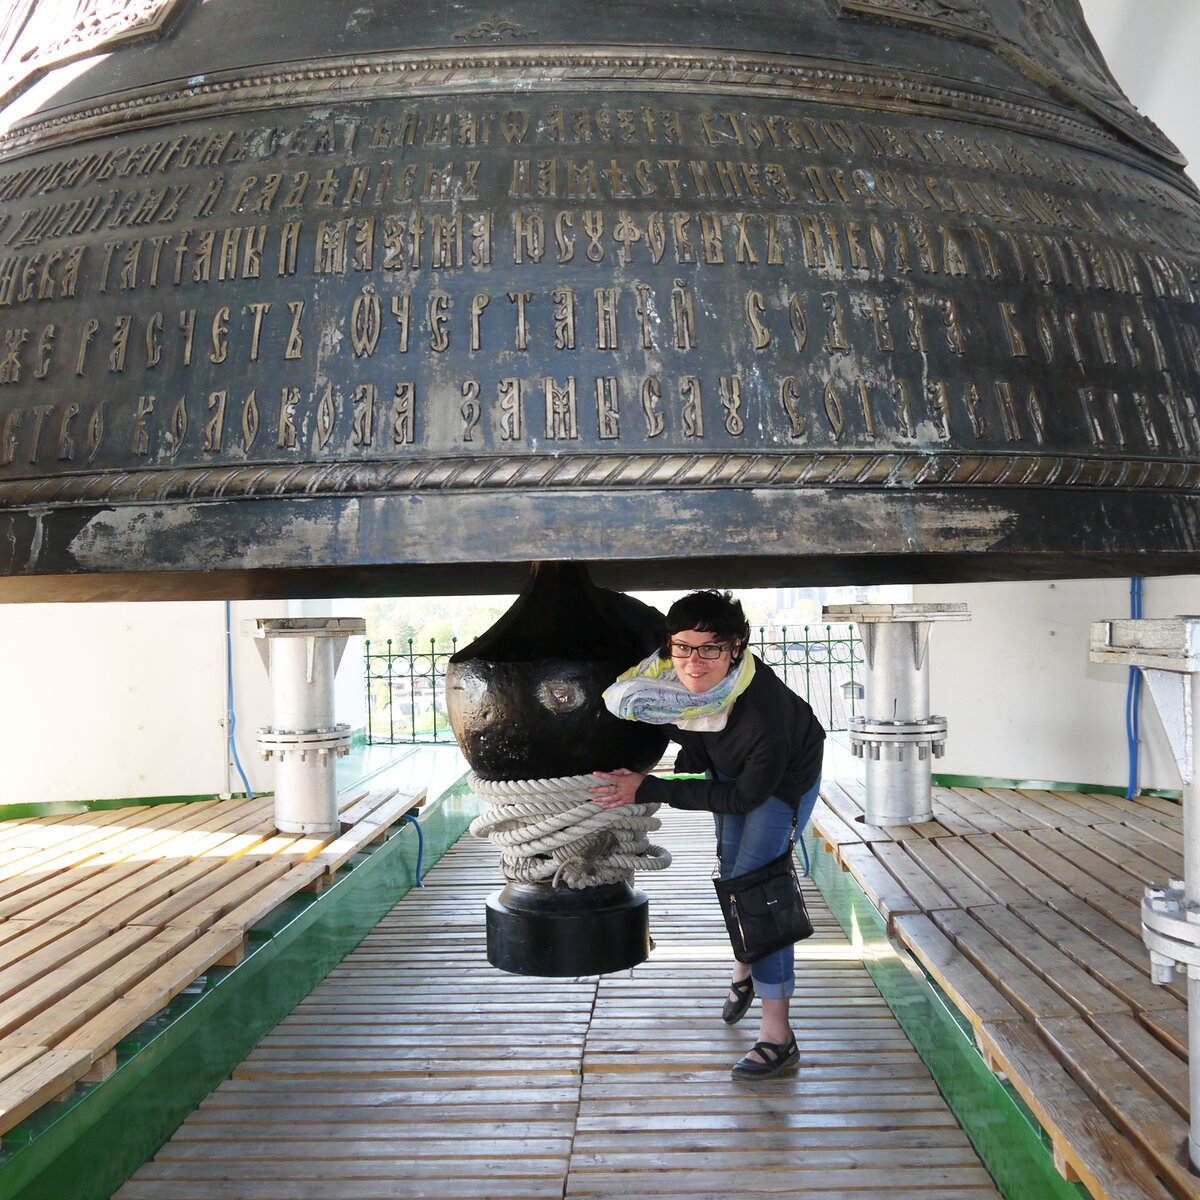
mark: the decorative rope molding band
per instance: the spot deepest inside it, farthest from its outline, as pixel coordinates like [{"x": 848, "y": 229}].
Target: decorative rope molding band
[
  {"x": 605, "y": 68},
  {"x": 608, "y": 471},
  {"x": 550, "y": 831}
]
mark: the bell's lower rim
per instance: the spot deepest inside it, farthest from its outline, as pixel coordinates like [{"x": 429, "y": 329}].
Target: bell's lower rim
[{"x": 747, "y": 538}]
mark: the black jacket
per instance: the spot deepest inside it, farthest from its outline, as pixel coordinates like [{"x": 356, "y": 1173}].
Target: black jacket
[{"x": 771, "y": 745}]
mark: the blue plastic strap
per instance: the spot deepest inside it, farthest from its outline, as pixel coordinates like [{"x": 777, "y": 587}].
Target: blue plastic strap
[
  {"x": 1133, "y": 696},
  {"x": 420, "y": 845},
  {"x": 804, "y": 851},
  {"x": 237, "y": 762}
]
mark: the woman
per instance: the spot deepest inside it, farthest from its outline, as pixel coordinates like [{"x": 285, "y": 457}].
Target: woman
[{"x": 759, "y": 746}]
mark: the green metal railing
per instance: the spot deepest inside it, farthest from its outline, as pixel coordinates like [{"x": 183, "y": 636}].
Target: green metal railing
[
  {"x": 406, "y": 693},
  {"x": 824, "y": 664},
  {"x": 406, "y": 684}
]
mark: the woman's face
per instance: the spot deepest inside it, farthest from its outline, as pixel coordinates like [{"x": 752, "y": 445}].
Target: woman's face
[{"x": 695, "y": 673}]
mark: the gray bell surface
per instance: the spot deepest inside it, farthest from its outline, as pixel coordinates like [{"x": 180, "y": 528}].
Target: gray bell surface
[{"x": 372, "y": 299}]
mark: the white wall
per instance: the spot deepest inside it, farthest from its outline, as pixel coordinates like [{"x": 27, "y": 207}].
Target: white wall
[
  {"x": 128, "y": 700},
  {"x": 1022, "y": 697},
  {"x": 1151, "y": 48}
]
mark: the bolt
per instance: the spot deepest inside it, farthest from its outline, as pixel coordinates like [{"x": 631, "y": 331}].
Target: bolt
[{"x": 1162, "y": 969}]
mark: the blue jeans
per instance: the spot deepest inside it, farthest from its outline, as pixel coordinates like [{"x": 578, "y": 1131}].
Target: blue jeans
[{"x": 753, "y": 839}]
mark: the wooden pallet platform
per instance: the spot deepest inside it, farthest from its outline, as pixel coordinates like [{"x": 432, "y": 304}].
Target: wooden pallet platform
[
  {"x": 106, "y": 916},
  {"x": 1024, "y": 906},
  {"x": 416, "y": 1069}
]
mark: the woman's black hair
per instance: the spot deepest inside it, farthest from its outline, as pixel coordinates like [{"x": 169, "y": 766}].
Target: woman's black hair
[{"x": 712, "y": 612}]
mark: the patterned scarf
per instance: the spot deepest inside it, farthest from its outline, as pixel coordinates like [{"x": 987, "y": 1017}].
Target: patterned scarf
[{"x": 651, "y": 692}]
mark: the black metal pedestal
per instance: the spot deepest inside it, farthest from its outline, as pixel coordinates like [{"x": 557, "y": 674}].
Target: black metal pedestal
[{"x": 536, "y": 929}]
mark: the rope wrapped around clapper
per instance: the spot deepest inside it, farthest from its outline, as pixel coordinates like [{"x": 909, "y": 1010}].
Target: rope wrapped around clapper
[{"x": 550, "y": 830}]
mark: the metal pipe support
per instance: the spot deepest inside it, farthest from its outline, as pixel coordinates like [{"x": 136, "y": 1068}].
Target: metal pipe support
[
  {"x": 1168, "y": 654},
  {"x": 896, "y": 736},
  {"x": 301, "y": 655}
]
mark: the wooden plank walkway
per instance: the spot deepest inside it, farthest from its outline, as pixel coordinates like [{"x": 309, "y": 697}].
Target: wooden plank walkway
[
  {"x": 1025, "y": 907},
  {"x": 417, "y": 1070},
  {"x": 106, "y": 916}
]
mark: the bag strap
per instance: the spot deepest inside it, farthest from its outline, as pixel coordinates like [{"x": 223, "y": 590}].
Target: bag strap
[{"x": 791, "y": 843}]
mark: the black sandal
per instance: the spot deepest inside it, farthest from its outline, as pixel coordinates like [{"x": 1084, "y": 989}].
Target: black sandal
[
  {"x": 735, "y": 1010},
  {"x": 775, "y": 1057}
]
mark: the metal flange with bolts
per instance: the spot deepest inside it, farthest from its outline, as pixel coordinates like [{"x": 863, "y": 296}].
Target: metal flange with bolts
[
  {"x": 1171, "y": 931},
  {"x": 280, "y": 743},
  {"x": 876, "y": 739}
]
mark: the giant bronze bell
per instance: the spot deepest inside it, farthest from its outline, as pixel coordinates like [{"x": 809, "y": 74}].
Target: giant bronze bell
[{"x": 332, "y": 298}]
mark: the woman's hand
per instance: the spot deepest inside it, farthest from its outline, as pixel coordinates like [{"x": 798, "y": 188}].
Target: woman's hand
[{"x": 619, "y": 787}]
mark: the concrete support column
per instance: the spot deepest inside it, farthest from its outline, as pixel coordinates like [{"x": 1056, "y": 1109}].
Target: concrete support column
[
  {"x": 301, "y": 655},
  {"x": 1168, "y": 654},
  {"x": 896, "y": 735}
]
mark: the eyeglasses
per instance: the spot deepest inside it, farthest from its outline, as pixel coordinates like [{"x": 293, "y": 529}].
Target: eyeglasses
[{"x": 683, "y": 650}]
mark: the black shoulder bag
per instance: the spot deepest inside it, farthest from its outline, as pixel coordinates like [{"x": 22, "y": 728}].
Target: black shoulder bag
[{"x": 764, "y": 909}]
